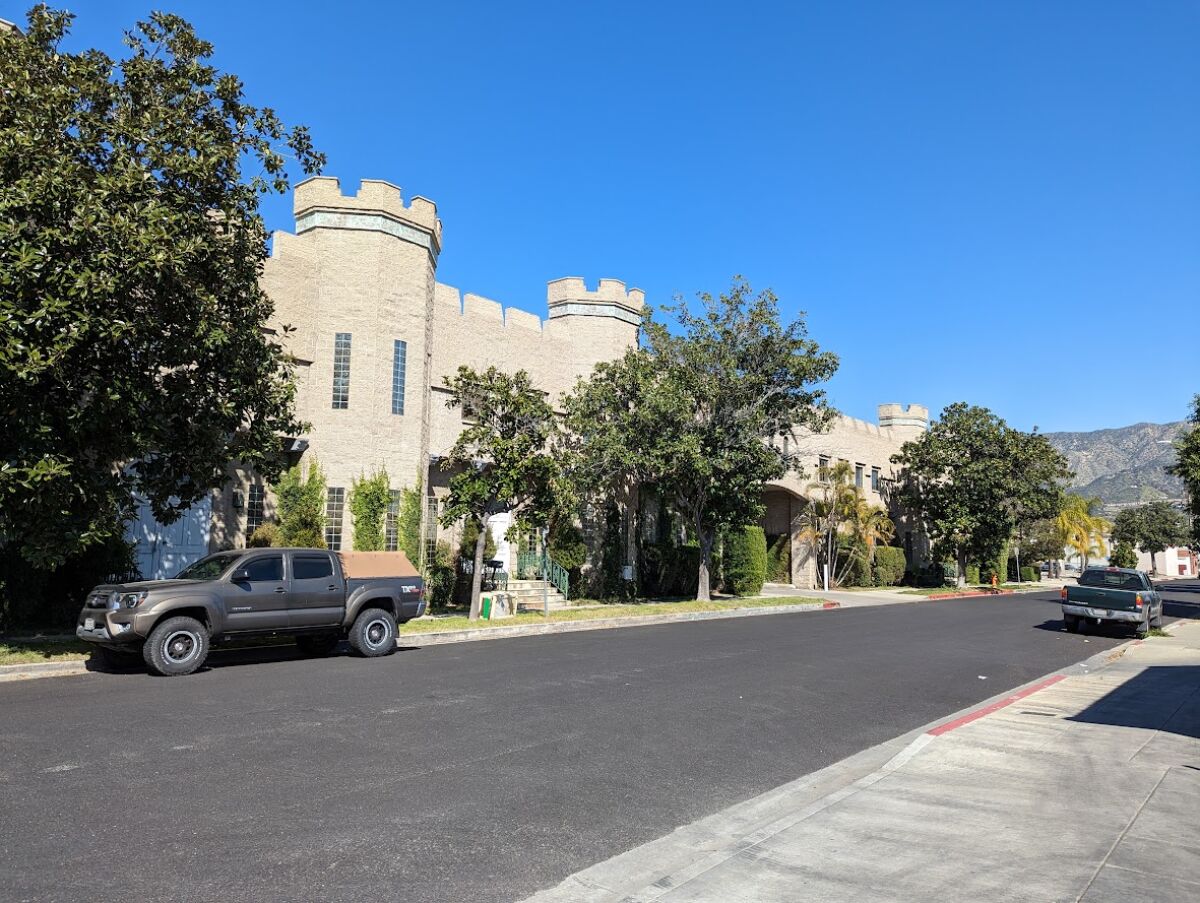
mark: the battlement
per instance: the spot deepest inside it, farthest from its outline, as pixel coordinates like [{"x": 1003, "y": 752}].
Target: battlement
[
  {"x": 897, "y": 415},
  {"x": 319, "y": 202},
  {"x": 570, "y": 296},
  {"x": 853, "y": 424}
]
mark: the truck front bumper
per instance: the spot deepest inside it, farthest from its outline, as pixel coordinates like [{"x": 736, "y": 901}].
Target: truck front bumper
[
  {"x": 1104, "y": 614},
  {"x": 105, "y": 629}
]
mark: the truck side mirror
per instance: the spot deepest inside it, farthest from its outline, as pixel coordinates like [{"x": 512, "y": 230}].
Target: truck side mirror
[{"x": 241, "y": 575}]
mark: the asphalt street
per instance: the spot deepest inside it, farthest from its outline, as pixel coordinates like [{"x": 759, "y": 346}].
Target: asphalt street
[{"x": 478, "y": 771}]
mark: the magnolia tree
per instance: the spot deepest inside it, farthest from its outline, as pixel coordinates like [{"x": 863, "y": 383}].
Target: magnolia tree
[
  {"x": 694, "y": 411},
  {"x": 501, "y": 460},
  {"x": 133, "y": 354},
  {"x": 1153, "y": 527},
  {"x": 974, "y": 480}
]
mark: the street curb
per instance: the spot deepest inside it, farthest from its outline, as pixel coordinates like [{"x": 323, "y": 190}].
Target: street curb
[
  {"x": 471, "y": 635},
  {"x": 42, "y": 669},
  {"x": 442, "y": 638}
]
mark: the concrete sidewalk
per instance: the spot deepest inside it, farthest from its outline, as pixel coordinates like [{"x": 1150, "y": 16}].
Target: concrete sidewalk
[{"x": 1083, "y": 787}]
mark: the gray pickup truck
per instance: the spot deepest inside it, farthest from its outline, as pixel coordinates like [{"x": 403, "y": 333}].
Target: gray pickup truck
[
  {"x": 307, "y": 593},
  {"x": 1119, "y": 595}
]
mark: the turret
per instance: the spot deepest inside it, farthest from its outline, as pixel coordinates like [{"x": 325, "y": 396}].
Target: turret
[{"x": 905, "y": 421}]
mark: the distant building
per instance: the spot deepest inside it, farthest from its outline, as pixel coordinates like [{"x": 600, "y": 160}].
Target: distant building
[
  {"x": 1174, "y": 562},
  {"x": 374, "y": 334}
]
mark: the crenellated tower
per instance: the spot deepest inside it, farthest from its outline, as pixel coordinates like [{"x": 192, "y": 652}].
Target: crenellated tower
[{"x": 599, "y": 325}]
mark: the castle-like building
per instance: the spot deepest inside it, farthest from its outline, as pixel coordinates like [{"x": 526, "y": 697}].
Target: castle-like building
[{"x": 374, "y": 334}]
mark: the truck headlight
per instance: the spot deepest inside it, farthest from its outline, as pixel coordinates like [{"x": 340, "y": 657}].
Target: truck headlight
[
  {"x": 133, "y": 600},
  {"x": 114, "y": 600}
]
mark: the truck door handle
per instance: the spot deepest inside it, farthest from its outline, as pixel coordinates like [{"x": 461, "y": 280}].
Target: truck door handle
[
  {"x": 331, "y": 586},
  {"x": 280, "y": 589}
]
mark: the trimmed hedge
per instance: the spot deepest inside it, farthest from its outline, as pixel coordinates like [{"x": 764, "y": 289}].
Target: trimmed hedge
[
  {"x": 973, "y": 574},
  {"x": 889, "y": 565},
  {"x": 779, "y": 558},
  {"x": 1028, "y": 575},
  {"x": 746, "y": 561}
]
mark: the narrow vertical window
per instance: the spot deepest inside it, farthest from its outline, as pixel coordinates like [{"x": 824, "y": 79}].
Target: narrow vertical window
[
  {"x": 334, "y": 502},
  {"x": 823, "y": 468},
  {"x": 391, "y": 530},
  {"x": 399, "y": 359},
  {"x": 254, "y": 508},
  {"x": 874, "y": 479},
  {"x": 858, "y": 475},
  {"x": 431, "y": 530},
  {"x": 341, "y": 371}
]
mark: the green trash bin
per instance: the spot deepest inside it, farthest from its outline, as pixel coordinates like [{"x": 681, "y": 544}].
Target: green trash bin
[{"x": 486, "y": 613}]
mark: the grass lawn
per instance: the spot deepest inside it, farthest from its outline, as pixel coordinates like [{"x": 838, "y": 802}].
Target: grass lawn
[
  {"x": 461, "y": 622},
  {"x": 25, "y": 652}
]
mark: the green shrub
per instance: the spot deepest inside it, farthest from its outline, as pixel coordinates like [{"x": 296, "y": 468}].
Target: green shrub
[
  {"x": 1123, "y": 556},
  {"x": 301, "y": 507},
  {"x": 439, "y": 577},
  {"x": 1028, "y": 575},
  {"x": 999, "y": 566},
  {"x": 853, "y": 565},
  {"x": 779, "y": 558},
  {"x": 369, "y": 500},
  {"x": 973, "y": 574},
  {"x": 746, "y": 561},
  {"x": 263, "y": 536},
  {"x": 669, "y": 570},
  {"x": 408, "y": 522},
  {"x": 889, "y": 565}
]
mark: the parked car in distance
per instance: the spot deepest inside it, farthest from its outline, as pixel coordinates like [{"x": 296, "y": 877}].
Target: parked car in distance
[
  {"x": 1120, "y": 595},
  {"x": 316, "y": 596}
]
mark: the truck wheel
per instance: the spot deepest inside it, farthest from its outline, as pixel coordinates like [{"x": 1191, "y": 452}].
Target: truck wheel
[
  {"x": 317, "y": 645},
  {"x": 373, "y": 633},
  {"x": 1143, "y": 629},
  {"x": 1072, "y": 622},
  {"x": 1156, "y": 621},
  {"x": 175, "y": 647}
]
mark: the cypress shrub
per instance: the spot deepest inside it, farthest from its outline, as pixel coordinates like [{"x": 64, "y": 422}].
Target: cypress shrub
[
  {"x": 1028, "y": 575},
  {"x": 779, "y": 558},
  {"x": 746, "y": 561},
  {"x": 973, "y": 574},
  {"x": 264, "y": 536},
  {"x": 889, "y": 565}
]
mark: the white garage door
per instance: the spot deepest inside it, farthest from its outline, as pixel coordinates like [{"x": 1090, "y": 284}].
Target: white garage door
[{"x": 163, "y": 550}]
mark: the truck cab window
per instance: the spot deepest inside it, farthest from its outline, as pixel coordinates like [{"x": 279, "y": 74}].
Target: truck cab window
[
  {"x": 267, "y": 567},
  {"x": 311, "y": 567}
]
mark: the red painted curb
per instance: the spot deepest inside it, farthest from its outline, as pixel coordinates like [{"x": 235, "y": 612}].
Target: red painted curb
[
  {"x": 999, "y": 592},
  {"x": 994, "y": 707},
  {"x": 832, "y": 605}
]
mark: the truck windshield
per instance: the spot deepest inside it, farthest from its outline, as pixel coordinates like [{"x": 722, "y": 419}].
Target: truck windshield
[
  {"x": 209, "y": 568},
  {"x": 1111, "y": 580}
]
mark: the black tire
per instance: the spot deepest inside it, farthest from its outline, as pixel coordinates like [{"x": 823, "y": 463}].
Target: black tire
[
  {"x": 1072, "y": 622},
  {"x": 373, "y": 633},
  {"x": 318, "y": 644},
  {"x": 176, "y": 647},
  {"x": 116, "y": 659},
  {"x": 1143, "y": 629}
]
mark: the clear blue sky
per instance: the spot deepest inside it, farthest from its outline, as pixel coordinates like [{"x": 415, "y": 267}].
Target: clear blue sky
[{"x": 990, "y": 202}]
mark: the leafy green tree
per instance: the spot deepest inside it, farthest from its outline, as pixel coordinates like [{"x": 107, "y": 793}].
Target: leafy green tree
[
  {"x": 133, "y": 355},
  {"x": 369, "y": 500},
  {"x": 1187, "y": 467},
  {"x": 694, "y": 411},
  {"x": 300, "y": 507},
  {"x": 1153, "y": 527},
  {"x": 501, "y": 460},
  {"x": 1123, "y": 556},
  {"x": 972, "y": 479}
]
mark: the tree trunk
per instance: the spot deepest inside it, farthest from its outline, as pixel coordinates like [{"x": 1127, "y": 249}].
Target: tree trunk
[
  {"x": 1153, "y": 563},
  {"x": 477, "y": 572},
  {"x": 703, "y": 584},
  {"x": 961, "y": 579}
]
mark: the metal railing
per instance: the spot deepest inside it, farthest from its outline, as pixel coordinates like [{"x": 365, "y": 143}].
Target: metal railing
[{"x": 541, "y": 566}]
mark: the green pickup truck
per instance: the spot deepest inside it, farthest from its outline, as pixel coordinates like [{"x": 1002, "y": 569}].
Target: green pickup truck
[{"x": 1112, "y": 594}]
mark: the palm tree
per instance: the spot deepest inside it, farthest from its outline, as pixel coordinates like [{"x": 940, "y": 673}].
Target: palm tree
[
  {"x": 870, "y": 524},
  {"x": 825, "y": 514},
  {"x": 1080, "y": 530}
]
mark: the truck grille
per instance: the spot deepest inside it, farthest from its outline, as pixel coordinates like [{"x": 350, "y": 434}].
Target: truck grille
[{"x": 97, "y": 600}]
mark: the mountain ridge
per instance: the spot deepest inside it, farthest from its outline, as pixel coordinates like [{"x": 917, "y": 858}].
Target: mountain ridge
[{"x": 1122, "y": 465}]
